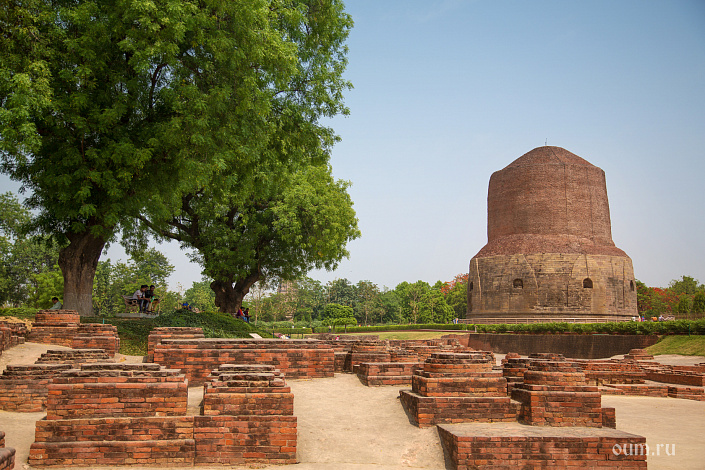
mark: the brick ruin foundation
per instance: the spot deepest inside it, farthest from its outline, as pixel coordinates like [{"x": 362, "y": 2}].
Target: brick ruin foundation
[
  {"x": 509, "y": 446},
  {"x": 548, "y": 392},
  {"x": 24, "y": 388},
  {"x": 12, "y": 334},
  {"x": 257, "y": 407},
  {"x": 135, "y": 414},
  {"x": 555, "y": 393},
  {"x": 64, "y": 328},
  {"x": 456, "y": 388},
  {"x": 7, "y": 454},
  {"x": 196, "y": 358}
]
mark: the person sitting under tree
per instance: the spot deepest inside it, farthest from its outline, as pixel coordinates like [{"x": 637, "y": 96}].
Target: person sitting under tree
[
  {"x": 56, "y": 304},
  {"x": 140, "y": 298},
  {"x": 153, "y": 301}
]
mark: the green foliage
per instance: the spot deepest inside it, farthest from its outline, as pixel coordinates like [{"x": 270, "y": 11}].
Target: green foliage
[
  {"x": 201, "y": 296},
  {"x": 25, "y": 313},
  {"x": 48, "y": 284},
  {"x": 134, "y": 333},
  {"x": 699, "y": 302},
  {"x": 112, "y": 281},
  {"x": 113, "y": 110},
  {"x": 25, "y": 261}
]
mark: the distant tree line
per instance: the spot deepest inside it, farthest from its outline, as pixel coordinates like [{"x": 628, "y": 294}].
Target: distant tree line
[{"x": 682, "y": 296}]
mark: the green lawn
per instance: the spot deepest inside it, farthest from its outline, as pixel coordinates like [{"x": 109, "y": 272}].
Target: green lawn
[{"x": 679, "y": 344}]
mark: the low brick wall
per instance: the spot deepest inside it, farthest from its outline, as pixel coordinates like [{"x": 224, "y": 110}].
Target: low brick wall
[
  {"x": 570, "y": 345},
  {"x": 636, "y": 390},
  {"x": 549, "y": 385},
  {"x": 63, "y": 328},
  {"x": 676, "y": 377},
  {"x": 197, "y": 358},
  {"x": 512, "y": 446},
  {"x": 25, "y": 388},
  {"x": 387, "y": 373},
  {"x": 237, "y": 440},
  {"x": 158, "y": 334},
  {"x": 688, "y": 393},
  {"x": 106, "y": 453},
  {"x": 240, "y": 390},
  {"x": 97, "y": 336},
  {"x": 73, "y": 356},
  {"x": 117, "y": 390},
  {"x": 612, "y": 372}
]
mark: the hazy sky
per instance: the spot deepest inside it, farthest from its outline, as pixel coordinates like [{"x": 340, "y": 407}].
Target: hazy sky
[{"x": 447, "y": 92}]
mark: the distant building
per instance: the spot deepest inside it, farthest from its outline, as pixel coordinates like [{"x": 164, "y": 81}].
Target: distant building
[
  {"x": 549, "y": 253},
  {"x": 286, "y": 287}
]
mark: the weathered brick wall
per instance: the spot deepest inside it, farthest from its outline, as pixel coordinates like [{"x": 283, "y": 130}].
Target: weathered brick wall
[
  {"x": 102, "y": 390},
  {"x": 24, "y": 388},
  {"x": 575, "y": 346},
  {"x": 12, "y": 334},
  {"x": 612, "y": 372},
  {"x": 501, "y": 447},
  {"x": 237, "y": 440},
  {"x": 687, "y": 393},
  {"x": 73, "y": 356},
  {"x": 167, "y": 453},
  {"x": 97, "y": 336},
  {"x": 549, "y": 386},
  {"x": 247, "y": 390},
  {"x": 63, "y": 328},
  {"x": 158, "y": 334},
  {"x": 456, "y": 388},
  {"x": 552, "y": 286},
  {"x": 387, "y": 373},
  {"x": 295, "y": 358},
  {"x": 637, "y": 390}
]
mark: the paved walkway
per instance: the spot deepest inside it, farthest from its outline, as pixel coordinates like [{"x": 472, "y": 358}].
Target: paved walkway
[{"x": 344, "y": 425}]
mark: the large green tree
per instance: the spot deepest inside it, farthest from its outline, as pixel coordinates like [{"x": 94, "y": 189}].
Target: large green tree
[
  {"x": 112, "y": 108},
  {"x": 303, "y": 223}
]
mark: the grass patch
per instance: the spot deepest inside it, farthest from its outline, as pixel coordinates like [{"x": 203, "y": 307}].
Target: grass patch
[
  {"x": 680, "y": 344},
  {"x": 134, "y": 332}
]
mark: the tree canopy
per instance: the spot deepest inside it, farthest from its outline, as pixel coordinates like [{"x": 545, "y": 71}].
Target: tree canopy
[{"x": 110, "y": 109}]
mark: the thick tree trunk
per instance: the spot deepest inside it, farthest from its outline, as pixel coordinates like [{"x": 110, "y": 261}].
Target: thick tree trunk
[
  {"x": 78, "y": 263},
  {"x": 229, "y": 294}
]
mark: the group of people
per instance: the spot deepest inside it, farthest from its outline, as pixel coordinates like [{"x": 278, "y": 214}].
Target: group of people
[
  {"x": 145, "y": 298},
  {"x": 243, "y": 315}
]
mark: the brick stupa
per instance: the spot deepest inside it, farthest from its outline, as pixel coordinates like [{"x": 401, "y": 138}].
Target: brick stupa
[{"x": 549, "y": 252}]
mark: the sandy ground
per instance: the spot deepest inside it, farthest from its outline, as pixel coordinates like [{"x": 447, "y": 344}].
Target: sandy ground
[{"x": 345, "y": 425}]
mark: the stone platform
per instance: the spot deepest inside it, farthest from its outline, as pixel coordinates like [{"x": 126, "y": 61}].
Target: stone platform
[{"x": 509, "y": 446}]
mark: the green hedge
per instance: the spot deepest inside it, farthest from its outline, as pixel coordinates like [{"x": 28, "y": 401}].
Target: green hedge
[
  {"x": 293, "y": 331},
  {"x": 363, "y": 329},
  {"x": 675, "y": 327},
  {"x": 19, "y": 312}
]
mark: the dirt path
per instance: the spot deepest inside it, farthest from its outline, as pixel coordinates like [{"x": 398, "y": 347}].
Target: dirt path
[{"x": 344, "y": 425}]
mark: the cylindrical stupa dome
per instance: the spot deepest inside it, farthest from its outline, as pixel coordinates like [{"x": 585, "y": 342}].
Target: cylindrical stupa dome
[{"x": 549, "y": 245}]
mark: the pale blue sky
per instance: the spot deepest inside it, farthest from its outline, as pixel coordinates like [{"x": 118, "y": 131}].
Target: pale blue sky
[{"x": 447, "y": 92}]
